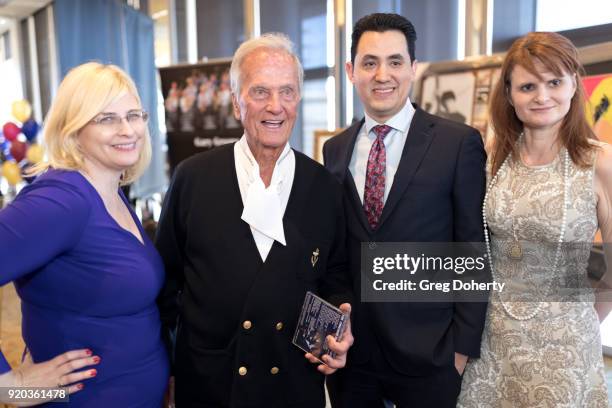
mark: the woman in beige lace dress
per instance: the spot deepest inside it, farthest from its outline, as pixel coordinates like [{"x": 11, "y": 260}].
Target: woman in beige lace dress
[{"x": 550, "y": 189}]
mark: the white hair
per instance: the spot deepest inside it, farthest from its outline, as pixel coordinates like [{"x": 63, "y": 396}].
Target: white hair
[{"x": 274, "y": 41}]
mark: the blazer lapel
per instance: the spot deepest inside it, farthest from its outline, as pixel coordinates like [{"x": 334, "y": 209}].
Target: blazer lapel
[
  {"x": 349, "y": 181},
  {"x": 419, "y": 139},
  {"x": 346, "y": 151},
  {"x": 351, "y": 190}
]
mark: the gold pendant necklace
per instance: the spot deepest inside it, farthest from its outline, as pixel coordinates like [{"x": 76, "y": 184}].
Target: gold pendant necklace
[{"x": 515, "y": 250}]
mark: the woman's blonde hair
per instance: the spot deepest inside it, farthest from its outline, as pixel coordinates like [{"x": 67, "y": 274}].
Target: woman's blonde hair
[{"x": 85, "y": 91}]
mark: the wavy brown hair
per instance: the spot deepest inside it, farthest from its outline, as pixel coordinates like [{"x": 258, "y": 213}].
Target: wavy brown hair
[{"x": 559, "y": 55}]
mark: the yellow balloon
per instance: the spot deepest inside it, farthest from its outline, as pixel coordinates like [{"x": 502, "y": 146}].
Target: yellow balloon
[
  {"x": 22, "y": 110},
  {"x": 35, "y": 153},
  {"x": 11, "y": 171}
]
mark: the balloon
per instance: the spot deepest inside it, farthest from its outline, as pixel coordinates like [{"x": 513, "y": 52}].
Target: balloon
[
  {"x": 18, "y": 150},
  {"x": 22, "y": 110},
  {"x": 30, "y": 129},
  {"x": 11, "y": 131},
  {"x": 35, "y": 153},
  {"x": 11, "y": 171}
]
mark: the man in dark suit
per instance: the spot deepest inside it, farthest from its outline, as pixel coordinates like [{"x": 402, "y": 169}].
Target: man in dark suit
[
  {"x": 246, "y": 230},
  {"x": 408, "y": 176}
]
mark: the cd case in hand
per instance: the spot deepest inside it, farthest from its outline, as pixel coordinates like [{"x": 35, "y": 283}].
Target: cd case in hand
[{"x": 318, "y": 319}]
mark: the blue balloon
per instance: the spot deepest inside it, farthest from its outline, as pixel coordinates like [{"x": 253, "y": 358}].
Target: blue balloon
[{"x": 30, "y": 129}]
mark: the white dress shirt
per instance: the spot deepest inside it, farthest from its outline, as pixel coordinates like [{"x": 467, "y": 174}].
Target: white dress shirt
[
  {"x": 394, "y": 145},
  {"x": 264, "y": 208}
]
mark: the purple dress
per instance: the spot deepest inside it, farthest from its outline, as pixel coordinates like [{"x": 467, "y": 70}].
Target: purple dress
[{"x": 85, "y": 282}]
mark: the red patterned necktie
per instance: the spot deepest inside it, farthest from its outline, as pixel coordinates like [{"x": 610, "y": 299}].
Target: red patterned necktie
[{"x": 374, "y": 191}]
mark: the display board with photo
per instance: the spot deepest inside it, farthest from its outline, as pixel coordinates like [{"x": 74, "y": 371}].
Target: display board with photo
[
  {"x": 459, "y": 91},
  {"x": 450, "y": 95},
  {"x": 198, "y": 109}
]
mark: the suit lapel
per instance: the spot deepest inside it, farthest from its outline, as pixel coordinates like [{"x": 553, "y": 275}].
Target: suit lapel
[
  {"x": 419, "y": 139},
  {"x": 351, "y": 190},
  {"x": 303, "y": 179},
  {"x": 349, "y": 181},
  {"x": 346, "y": 151}
]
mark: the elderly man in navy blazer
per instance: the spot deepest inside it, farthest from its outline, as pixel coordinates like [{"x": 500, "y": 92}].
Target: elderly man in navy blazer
[
  {"x": 408, "y": 176},
  {"x": 246, "y": 230}
]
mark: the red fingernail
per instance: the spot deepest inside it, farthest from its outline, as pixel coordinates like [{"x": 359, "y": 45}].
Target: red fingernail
[
  {"x": 88, "y": 352},
  {"x": 96, "y": 360},
  {"x": 92, "y": 373},
  {"x": 80, "y": 386}
]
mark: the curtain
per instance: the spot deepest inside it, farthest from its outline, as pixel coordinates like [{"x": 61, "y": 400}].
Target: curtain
[{"x": 111, "y": 32}]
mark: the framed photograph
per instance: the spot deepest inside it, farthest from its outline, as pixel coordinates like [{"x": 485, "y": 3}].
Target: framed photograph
[
  {"x": 320, "y": 137},
  {"x": 450, "y": 96},
  {"x": 459, "y": 90}
]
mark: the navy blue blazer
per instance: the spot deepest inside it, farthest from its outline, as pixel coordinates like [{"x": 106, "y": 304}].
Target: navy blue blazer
[{"x": 238, "y": 313}]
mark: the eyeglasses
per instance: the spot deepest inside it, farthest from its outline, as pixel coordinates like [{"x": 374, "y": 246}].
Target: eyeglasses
[{"x": 113, "y": 121}]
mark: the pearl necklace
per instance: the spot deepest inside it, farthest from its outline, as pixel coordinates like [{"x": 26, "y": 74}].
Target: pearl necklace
[{"x": 566, "y": 164}]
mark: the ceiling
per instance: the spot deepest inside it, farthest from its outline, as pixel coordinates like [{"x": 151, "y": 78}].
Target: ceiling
[{"x": 21, "y": 8}]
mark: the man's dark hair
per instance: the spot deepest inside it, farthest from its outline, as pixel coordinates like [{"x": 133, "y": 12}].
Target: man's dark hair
[{"x": 381, "y": 22}]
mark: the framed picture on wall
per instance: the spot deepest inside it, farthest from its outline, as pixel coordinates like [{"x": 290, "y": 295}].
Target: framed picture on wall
[
  {"x": 459, "y": 90},
  {"x": 450, "y": 95},
  {"x": 320, "y": 137}
]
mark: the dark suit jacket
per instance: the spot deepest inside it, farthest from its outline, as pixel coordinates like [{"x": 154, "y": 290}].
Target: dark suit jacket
[
  {"x": 436, "y": 196},
  {"x": 216, "y": 281}
]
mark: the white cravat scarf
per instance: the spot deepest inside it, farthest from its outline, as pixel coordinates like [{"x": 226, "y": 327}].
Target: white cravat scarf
[{"x": 264, "y": 208}]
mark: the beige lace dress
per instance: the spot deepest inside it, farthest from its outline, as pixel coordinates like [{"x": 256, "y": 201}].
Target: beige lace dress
[{"x": 555, "y": 358}]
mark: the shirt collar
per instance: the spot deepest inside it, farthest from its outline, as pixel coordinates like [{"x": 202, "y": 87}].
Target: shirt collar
[
  {"x": 251, "y": 167},
  {"x": 400, "y": 121},
  {"x": 263, "y": 208}
]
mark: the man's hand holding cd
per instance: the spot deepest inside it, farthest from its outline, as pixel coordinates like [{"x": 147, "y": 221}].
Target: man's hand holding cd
[{"x": 340, "y": 347}]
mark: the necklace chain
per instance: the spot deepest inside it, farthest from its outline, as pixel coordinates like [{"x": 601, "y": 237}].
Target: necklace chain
[{"x": 504, "y": 166}]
